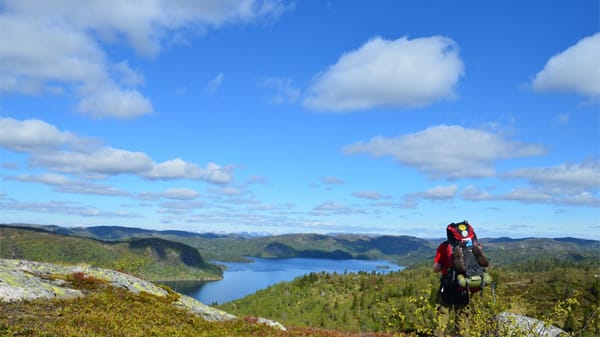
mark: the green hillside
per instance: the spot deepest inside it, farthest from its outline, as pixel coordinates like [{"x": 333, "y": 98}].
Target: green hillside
[
  {"x": 404, "y": 301},
  {"x": 152, "y": 259}
]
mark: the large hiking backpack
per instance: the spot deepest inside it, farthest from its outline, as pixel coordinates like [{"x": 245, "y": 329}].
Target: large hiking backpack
[{"x": 467, "y": 270}]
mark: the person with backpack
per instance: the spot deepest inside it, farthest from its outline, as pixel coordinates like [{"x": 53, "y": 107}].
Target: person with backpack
[{"x": 462, "y": 264}]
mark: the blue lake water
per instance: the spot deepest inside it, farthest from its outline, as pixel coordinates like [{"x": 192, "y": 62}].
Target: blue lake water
[{"x": 242, "y": 279}]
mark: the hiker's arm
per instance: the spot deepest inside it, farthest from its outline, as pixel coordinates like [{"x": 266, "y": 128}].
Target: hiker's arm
[
  {"x": 437, "y": 267},
  {"x": 481, "y": 259}
]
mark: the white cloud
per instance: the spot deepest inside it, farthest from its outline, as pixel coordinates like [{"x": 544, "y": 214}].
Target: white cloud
[
  {"x": 45, "y": 56},
  {"x": 106, "y": 160},
  {"x": 527, "y": 195},
  {"x": 47, "y": 178},
  {"x": 577, "y": 69},
  {"x": 565, "y": 177},
  {"x": 115, "y": 103},
  {"x": 474, "y": 193},
  {"x": 440, "y": 192},
  {"x": 448, "y": 151},
  {"x": 63, "y": 184},
  {"x": 67, "y": 153},
  {"x": 31, "y": 135},
  {"x": 58, "y": 46},
  {"x": 178, "y": 169},
  {"x": 402, "y": 72},
  {"x": 126, "y": 76},
  {"x": 180, "y": 194},
  {"x": 581, "y": 199}
]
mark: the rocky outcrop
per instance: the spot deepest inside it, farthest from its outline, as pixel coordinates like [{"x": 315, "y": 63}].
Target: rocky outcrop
[
  {"x": 28, "y": 280},
  {"x": 22, "y": 284},
  {"x": 527, "y": 326}
]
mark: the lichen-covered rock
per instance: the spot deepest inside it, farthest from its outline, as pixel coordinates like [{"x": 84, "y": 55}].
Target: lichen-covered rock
[
  {"x": 115, "y": 278},
  {"x": 17, "y": 285},
  {"x": 29, "y": 280},
  {"x": 207, "y": 312},
  {"x": 527, "y": 326},
  {"x": 271, "y": 323}
]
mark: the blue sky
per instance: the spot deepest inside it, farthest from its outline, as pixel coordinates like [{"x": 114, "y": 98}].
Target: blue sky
[{"x": 390, "y": 117}]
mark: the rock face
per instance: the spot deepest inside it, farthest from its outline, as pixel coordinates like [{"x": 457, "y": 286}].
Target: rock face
[{"x": 28, "y": 280}]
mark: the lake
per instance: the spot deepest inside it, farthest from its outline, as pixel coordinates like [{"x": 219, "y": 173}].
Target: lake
[{"x": 242, "y": 279}]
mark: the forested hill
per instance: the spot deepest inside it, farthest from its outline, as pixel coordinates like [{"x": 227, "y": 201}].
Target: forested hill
[
  {"x": 150, "y": 258},
  {"x": 404, "y": 250}
]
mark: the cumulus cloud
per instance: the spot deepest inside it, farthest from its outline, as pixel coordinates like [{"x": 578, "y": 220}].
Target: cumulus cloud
[
  {"x": 178, "y": 168},
  {"x": 105, "y": 161},
  {"x": 564, "y": 178},
  {"x": 439, "y": 192},
  {"x": 45, "y": 56},
  {"x": 115, "y": 103},
  {"x": 448, "y": 151},
  {"x": 565, "y": 184},
  {"x": 577, "y": 69},
  {"x": 474, "y": 193},
  {"x": 65, "y": 152},
  {"x": 31, "y": 135},
  {"x": 64, "y": 184},
  {"x": 58, "y": 46},
  {"x": 527, "y": 195},
  {"x": 402, "y": 73}
]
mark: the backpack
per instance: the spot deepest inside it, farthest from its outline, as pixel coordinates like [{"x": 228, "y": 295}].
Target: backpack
[{"x": 467, "y": 271}]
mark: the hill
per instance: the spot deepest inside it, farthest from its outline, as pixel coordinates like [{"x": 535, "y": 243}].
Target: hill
[
  {"x": 152, "y": 259},
  {"x": 403, "y": 250}
]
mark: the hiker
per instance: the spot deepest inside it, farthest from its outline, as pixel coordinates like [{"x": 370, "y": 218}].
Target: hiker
[{"x": 461, "y": 262}]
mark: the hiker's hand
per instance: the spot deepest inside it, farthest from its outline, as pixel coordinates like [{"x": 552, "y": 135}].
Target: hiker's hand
[{"x": 482, "y": 260}]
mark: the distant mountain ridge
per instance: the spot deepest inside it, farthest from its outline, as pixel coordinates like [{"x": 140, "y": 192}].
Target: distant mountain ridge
[{"x": 404, "y": 250}]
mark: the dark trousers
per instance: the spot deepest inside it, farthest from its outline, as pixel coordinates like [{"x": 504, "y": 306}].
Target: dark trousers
[{"x": 452, "y": 300}]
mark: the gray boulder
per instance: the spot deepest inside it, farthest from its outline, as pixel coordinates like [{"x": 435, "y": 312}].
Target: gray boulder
[{"x": 527, "y": 326}]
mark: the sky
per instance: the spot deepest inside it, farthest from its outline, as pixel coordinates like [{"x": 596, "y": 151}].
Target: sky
[{"x": 277, "y": 116}]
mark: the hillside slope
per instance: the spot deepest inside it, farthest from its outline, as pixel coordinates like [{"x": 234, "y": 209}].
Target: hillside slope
[
  {"x": 152, "y": 259},
  {"x": 78, "y": 300},
  {"x": 568, "y": 297}
]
